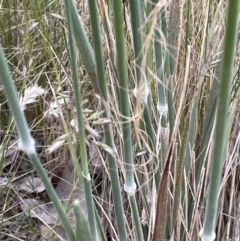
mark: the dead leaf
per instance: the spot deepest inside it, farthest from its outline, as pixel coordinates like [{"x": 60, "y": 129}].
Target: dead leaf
[
  {"x": 10, "y": 152},
  {"x": 29, "y": 184},
  {"x": 38, "y": 209},
  {"x": 48, "y": 233},
  {"x": 94, "y": 156},
  {"x": 68, "y": 190},
  {"x": 12, "y": 147}
]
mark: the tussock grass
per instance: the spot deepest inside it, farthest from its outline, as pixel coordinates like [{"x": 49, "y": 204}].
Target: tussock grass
[{"x": 34, "y": 38}]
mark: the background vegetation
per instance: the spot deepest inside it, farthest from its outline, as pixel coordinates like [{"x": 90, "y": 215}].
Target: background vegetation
[{"x": 165, "y": 138}]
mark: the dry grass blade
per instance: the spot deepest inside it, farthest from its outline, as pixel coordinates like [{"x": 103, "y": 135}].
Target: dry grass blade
[{"x": 162, "y": 201}]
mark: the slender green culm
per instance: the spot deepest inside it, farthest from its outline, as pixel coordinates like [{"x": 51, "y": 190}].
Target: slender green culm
[
  {"x": 226, "y": 73},
  {"x": 137, "y": 25},
  {"x": 162, "y": 105},
  {"x": 159, "y": 56},
  {"x": 82, "y": 228},
  {"x": 169, "y": 88},
  {"x": 142, "y": 85},
  {"x": 175, "y": 20},
  {"x": 83, "y": 44},
  {"x": 108, "y": 133},
  {"x": 141, "y": 90},
  {"x": 130, "y": 185},
  {"x": 136, "y": 218},
  {"x": 208, "y": 124},
  {"x": 84, "y": 158},
  {"x": 26, "y": 142}
]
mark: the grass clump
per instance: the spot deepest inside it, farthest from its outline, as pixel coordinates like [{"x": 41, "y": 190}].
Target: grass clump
[{"x": 127, "y": 97}]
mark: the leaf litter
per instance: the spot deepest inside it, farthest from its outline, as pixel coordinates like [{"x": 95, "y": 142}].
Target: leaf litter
[
  {"x": 30, "y": 189},
  {"x": 68, "y": 190}
]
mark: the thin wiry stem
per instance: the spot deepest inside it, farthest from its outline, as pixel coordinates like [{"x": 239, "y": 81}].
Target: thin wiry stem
[{"x": 84, "y": 158}]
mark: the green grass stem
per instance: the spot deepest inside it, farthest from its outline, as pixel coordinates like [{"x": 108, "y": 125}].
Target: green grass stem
[
  {"x": 26, "y": 142},
  {"x": 82, "y": 228},
  {"x": 117, "y": 199},
  {"x": 226, "y": 74},
  {"x": 174, "y": 32},
  {"x": 84, "y": 46},
  {"x": 84, "y": 157},
  {"x": 137, "y": 25},
  {"x": 136, "y": 218},
  {"x": 130, "y": 185}
]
